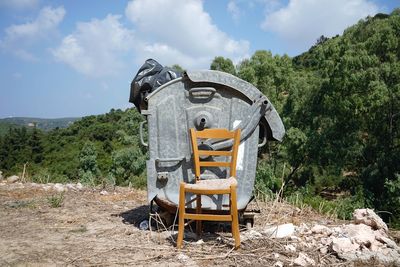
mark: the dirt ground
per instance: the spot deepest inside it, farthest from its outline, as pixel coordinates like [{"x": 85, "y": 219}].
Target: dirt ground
[{"x": 91, "y": 228}]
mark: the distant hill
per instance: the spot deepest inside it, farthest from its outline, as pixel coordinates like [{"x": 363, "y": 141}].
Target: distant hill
[{"x": 43, "y": 124}]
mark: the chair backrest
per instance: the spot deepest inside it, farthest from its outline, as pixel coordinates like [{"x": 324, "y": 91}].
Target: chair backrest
[{"x": 215, "y": 134}]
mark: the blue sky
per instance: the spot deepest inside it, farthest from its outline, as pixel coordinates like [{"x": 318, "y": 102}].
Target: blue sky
[{"x": 77, "y": 58}]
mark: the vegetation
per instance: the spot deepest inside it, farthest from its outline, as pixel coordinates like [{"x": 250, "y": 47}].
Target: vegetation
[
  {"x": 340, "y": 103},
  {"x": 42, "y": 124}
]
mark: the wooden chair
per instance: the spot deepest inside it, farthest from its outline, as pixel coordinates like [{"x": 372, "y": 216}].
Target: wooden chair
[{"x": 211, "y": 186}]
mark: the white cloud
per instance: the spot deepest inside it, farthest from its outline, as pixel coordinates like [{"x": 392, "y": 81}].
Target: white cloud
[
  {"x": 47, "y": 20},
  {"x": 96, "y": 47},
  {"x": 19, "y": 4},
  {"x": 180, "y": 31},
  {"x": 234, "y": 10},
  {"x": 301, "y": 22},
  {"x": 19, "y": 37}
]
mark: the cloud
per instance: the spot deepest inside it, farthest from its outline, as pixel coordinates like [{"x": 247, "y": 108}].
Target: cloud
[
  {"x": 180, "y": 31},
  {"x": 301, "y": 22},
  {"x": 19, "y": 37},
  {"x": 19, "y": 4},
  {"x": 234, "y": 10},
  {"x": 96, "y": 47}
]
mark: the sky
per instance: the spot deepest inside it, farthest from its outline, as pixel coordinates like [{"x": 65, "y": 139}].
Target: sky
[{"x": 78, "y": 58}]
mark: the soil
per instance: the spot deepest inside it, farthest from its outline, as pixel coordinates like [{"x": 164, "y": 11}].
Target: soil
[{"x": 92, "y": 227}]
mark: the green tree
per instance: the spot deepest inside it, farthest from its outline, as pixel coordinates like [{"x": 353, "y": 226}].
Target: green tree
[{"x": 223, "y": 64}]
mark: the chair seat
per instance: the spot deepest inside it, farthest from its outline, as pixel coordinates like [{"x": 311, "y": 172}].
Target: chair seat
[{"x": 213, "y": 184}]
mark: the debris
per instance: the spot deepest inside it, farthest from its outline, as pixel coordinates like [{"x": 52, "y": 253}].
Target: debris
[
  {"x": 12, "y": 179},
  {"x": 304, "y": 260},
  {"x": 280, "y": 231},
  {"x": 360, "y": 233},
  {"x": 321, "y": 229},
  {"x": 103, "y": 193},
  {"x": 342, "y": 245},
  {"x": 290, "y": 247},
  {"x": 59, "y": 187},
  {"x": 370, "y": 218},
  {"x": 199, "y": 242},
  {"x": 250, "y": 234}
]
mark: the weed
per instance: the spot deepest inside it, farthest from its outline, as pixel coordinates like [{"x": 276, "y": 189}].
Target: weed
[{"x": 56, "y": 201}]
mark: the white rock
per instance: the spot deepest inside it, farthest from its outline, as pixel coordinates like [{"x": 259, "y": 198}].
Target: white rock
[
  {"x": 370, "y": 218},
  {"x": 324, "y": 250},
  {"x": 276, "y": 255},
  {"x": 290, "y": 247},
  {"x": 251, "y": 234},
  {"x": 79, "y": 186},
  {"x": 70, "y": 186},
  {"x": 361, "y": 234},
  {"x": 278, "y": 264},
  {"x": 12, "y": 179},
  {"x": 280, "y": 231},
  {"x": 103, "y": 192},
  {"x": 321, "y": 229},
  {"x": 199, "y": 242},
  {"x": 343, "y": 245},
  {"x": 304, "y": 260},
  {"x": 59, "y": 187}
]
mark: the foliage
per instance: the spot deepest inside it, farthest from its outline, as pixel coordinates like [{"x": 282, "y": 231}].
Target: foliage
[{"x": 55, "y": 201}]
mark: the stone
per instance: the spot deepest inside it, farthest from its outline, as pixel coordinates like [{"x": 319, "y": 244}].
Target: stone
[
  {"x": 199, "y": 242},
  {"x": 59, "y": 187},
  {"x": 79, "y": 186},
  {"x": 103, "y": 193},
  {"x": 323, "y": 250},
  {"x": 278, "y": 264},
  {"x": 360, "y": 233},
  {"x": 280, "y": 231},
  {"x": 12, "y": 179},
  {"x": 304, "y": 260},
  {"x": 343, "y": 245},
  {"x": 321, "y": 229},
  {"x": 251, "y": 234},
  {"x": 290, "y": 247},
  {"x": 370, "y": 218}
]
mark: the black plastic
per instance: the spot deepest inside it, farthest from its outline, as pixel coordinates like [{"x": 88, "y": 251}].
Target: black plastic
[{"x": 149, "y": 77}]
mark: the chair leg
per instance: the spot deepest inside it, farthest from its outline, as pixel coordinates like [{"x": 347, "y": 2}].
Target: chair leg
[
  {"x": 198, "y": 211},
  {"x": 235, "y": 217},
  {"x": 181, "y": 223}
]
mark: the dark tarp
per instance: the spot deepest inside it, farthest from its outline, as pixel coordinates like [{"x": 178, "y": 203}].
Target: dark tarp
[{"x": 149, "y": 77}]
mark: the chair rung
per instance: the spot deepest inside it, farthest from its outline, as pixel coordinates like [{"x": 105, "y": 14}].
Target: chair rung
[
  {"x": 214, "y": 164},
  {"x": 208, "y": 217},
  {"x": 215, "y": 152}
]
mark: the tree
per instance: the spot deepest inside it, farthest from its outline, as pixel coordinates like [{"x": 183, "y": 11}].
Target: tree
[
  {"x": 88, "y": 170},
  {"x": 223, "y": 64}
]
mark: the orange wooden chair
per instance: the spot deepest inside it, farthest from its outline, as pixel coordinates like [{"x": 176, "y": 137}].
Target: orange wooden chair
[{"x": 211, "y": 186}]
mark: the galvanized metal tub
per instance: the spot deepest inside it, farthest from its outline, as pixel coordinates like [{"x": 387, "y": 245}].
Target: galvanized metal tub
[{"x": 204, "y": 99}]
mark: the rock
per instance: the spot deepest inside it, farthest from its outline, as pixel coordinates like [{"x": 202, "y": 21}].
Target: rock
[
  {"x": 321, "y": 229},
  {"x": 59, "y": 187},
  {"x": 278, "y": 264},
  {"x": 343, "y": 245},
  {"x": 370, "y": 218},
  {"x": 323, "y": 250},
  {"x": 70, "y": 186},
  {"x": 103, "y": 193},
  {"x": 12, "y": 179},
  {"x": 290, "y": 247},
  {"x": 186, "y": 260},
  {"x": 360, "y": 233},
  {"x": 276, "y": 255},
  {"x": 304, "y": 260},
  {"x": 251, "y": 234},
  {"x": 385, "y": 240},
  {"x": 280, "y": 231},
  {"x": 79, "y": 186},
  {"x": 199, "y": 242}
]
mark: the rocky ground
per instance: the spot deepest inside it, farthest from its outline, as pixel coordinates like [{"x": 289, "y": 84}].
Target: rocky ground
[{"x": 54, "y": 224}]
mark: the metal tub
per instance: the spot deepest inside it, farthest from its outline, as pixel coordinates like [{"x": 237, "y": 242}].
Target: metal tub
[{"x": 204, "y": 99}]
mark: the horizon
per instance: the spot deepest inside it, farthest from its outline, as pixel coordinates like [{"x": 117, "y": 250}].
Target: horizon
[{"x": 63, "y": 60}]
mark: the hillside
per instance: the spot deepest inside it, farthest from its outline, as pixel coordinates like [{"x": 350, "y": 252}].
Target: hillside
[{"x": 40, "y": 123}]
